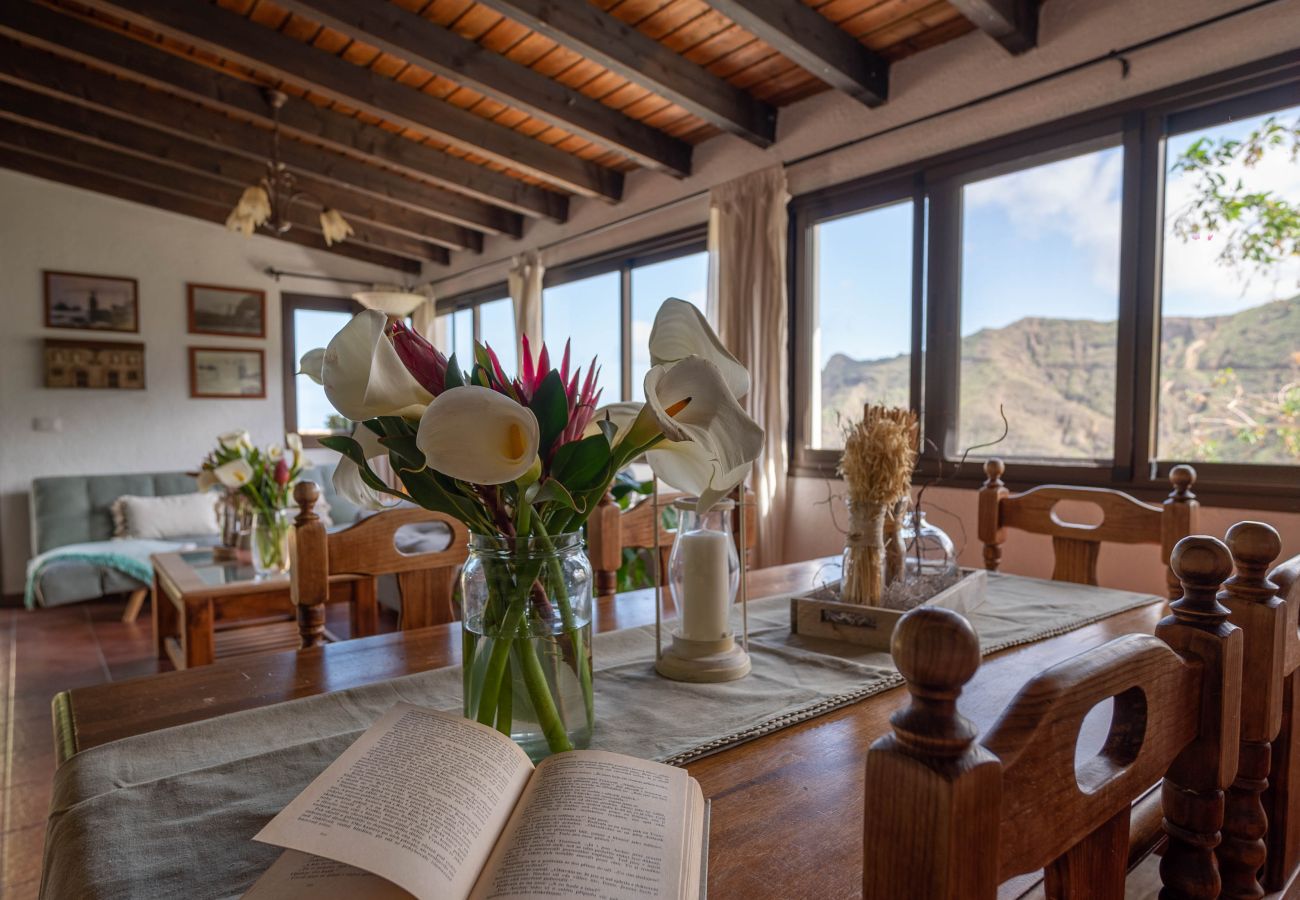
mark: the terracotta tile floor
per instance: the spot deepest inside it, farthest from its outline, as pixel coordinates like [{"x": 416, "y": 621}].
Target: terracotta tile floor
[{"x": 43, "y": 652}]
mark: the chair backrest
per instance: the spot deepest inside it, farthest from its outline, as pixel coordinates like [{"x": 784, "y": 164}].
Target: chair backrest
[
  {"x": 610, "y": 529},
  {"x": 1076, "y": 546},
  {"x": 1262, "y": 824},
  {"x": 948, "y": 817},
  {"x": 367, "y": 549}
]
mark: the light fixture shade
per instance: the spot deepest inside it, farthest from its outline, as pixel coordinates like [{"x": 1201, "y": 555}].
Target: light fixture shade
[{"x": 394, "y": 303}]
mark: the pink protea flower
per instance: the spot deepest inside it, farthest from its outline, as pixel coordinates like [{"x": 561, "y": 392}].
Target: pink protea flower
[
  {"x": 424, "y": 361},
  {"x": 281, "y": 473}
]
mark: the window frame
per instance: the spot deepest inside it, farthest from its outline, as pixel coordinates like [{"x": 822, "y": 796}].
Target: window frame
[
  {"x": 289, "y": 304},
  {"x": 1140, "y": 125},
  {"x": 685, "y": 242}
]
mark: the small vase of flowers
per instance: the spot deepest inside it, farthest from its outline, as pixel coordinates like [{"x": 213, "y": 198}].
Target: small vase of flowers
[
  {"x": 258, "y": 481},
  {"x": 523, "y": 460}
]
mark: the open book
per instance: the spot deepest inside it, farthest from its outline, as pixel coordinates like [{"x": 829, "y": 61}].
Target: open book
[{"x": 431, "y": 805}]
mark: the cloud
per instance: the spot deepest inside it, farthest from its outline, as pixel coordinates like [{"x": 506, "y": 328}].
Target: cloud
[{"x": 1076, "y": 198}]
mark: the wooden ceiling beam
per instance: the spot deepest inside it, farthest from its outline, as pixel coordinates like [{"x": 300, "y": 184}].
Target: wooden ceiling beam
[
  {"x": 323, "y": 174},
  {"x": 104, "y": 183},
  {"x": 245, "y": 42},
  {"x": 813, "y": 43},
  {"x": 98, "y": 158},
  {"x": 428, "y": 45},
  {"x": 473, "y": 196},
  {"x": 599, "y": 37},
  {"x": 1012, "y": 23}
]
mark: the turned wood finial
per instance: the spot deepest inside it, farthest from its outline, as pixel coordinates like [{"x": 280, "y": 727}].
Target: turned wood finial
[
  {"x": 993, "y": 469},
  {"x": 1182, "y": 478},
  {"x": 1254, "y": 546},
  {"x": 1201, "y": 563},
  {"x": 306, "y": 493},
  {"x": 937, "y": 651}
]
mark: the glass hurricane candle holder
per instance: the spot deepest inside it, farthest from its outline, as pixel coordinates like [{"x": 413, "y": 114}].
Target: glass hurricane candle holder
[{"x": 704, "y": 576}]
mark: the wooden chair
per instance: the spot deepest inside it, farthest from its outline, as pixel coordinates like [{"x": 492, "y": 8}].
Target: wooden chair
[
  {"x": 948, "y": 817},
  {"x": 610, "y": 529},
  {"x": 1261, "y": 831},
  {"x": 1127, "y": 520},
  {"x": 365, "y": 551}
]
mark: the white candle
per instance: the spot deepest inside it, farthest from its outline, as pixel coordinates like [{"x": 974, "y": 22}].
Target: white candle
[{"x": 706, "y": 594}]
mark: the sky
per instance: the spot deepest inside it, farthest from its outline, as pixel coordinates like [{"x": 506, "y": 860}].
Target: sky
[{"x": 1039, "y": 242}]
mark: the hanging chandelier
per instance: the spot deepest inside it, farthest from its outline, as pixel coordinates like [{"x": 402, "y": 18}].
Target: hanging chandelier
[
  {"x": 394, "y": 301},
  {"x": 267, "y": 204}
]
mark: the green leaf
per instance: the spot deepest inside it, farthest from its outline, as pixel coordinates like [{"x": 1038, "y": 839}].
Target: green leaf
[
  {"x": 551, "y": 406},
  {"x": 455, "y": 377},
  {"x": 403, "y": 449},
  {"x": 352, "y": 450},
  {"x": 579, "y": 464},
  {"x": 608, "y": 429},
  {"x": 552, "y": 491}
]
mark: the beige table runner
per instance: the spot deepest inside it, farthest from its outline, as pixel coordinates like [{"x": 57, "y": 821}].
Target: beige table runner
[{"x": 170, "y": 814}]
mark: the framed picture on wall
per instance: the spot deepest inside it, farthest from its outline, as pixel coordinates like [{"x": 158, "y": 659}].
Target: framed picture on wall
[
  {"x": 235, "y": 312},
  {"x": 231, "y": 372},
  {"x": 94, "y": 364},
  {"x": 94, "y": 302}
]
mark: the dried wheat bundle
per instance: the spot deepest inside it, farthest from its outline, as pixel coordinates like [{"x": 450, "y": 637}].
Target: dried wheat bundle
[{"x": 879, "y": 456}]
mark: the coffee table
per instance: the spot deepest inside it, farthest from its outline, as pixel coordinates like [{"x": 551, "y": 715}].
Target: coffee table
[{"x": 205, "y": 607}]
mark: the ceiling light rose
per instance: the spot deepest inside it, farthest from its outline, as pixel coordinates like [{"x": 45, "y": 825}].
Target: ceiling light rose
[{"x": 267, "y": 204}]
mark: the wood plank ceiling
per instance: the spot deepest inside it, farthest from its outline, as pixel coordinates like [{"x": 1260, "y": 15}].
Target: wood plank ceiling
[{"x": 430, "y": 123}]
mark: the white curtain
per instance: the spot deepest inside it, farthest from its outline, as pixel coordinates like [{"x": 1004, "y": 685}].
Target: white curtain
[
  {"x": 427, "y": 323},
  {"x": 747, "y": 300},
  {"x": 525, "y": 284}
]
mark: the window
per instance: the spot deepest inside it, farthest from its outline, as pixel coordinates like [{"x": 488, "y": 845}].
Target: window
[
  {"x": 309, "y": 322},
  {"x": 460, "y": 337},
  {"x": 684, "y": 277},
  {"x": 1229, "y": 388},
  {"x": 861, "y": 318},
  {"x": 586, "y": 313},
  {"x": 496, "y": 329},
  {"x": 1039, "y": 309},
  {"x": 1125, "y": 286},
  {"x": 604, "y": 306}
]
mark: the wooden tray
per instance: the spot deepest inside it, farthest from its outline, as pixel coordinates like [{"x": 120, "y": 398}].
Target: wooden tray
[{"x": 873, "y": 626}]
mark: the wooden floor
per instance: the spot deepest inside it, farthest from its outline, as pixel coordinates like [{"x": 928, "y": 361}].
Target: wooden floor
[{"x": 41, "y": 653}]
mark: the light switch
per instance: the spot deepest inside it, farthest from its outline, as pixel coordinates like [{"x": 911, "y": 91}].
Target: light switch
[{"x": 47, "y": 423}]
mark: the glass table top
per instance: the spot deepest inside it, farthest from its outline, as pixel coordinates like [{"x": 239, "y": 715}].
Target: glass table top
[{"x": 217, "y": 572}]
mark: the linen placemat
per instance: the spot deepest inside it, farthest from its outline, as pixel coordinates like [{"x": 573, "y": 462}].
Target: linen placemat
[{"x": 171, "y": 813}]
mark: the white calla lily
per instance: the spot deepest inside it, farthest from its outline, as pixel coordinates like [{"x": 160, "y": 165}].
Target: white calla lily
[
  {"x": 274, "y": 452},
  {"x": 690, "y": 403},
  {"x": 680, "y": 331},
  {"x": 311, "y": 364},
  {"x": 232, "y": 439},
  {"x": 347, "y": 479},
  {"x": 474, "y": 434},
  {"x": 363, "y": 375},
  {"x": 293, "y": 440},
  {"x": 234, "y": 474},
  {"x": 206, "y": 480}
]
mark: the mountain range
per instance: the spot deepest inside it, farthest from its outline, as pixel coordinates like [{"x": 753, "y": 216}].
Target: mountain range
[{"x": 1229, "y": 387}]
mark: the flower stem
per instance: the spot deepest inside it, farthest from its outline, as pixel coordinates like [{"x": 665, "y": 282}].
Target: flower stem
[
  {"x": 557, "y": 739},
  {"x": 570, "y": 626}
]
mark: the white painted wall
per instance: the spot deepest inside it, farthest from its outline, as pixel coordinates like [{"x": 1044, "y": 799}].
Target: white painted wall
[{"x": 50, "y": 226}]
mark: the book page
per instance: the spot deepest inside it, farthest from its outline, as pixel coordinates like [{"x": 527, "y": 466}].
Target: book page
[
  {"x": 297, "y": 874},
  {"x": 600, "y": 825},
  {"x": 419, "y": 799}
]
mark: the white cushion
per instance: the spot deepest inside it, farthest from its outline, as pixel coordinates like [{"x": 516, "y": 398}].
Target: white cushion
[{"x": 166, "y": 518}]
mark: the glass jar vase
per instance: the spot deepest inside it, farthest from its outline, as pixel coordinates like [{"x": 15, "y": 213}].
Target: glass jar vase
[
  {"x": 930, "y": 555},
  {"x": 527, "y": 638},
  {"x": 270, "y": 541}
]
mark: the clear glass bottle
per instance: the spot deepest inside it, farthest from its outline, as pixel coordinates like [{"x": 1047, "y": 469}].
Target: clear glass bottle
[
  {"x": 270, "y": 541},
  {"x": 930, "y": 554},
  {"x": 527, "y": 640}
]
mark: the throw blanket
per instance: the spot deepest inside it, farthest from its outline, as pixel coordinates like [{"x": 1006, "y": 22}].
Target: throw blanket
[{"x": 130, "y": 557}]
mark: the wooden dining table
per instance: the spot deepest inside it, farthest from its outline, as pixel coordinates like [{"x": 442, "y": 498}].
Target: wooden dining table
[{"x": 787, "y": 808}]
